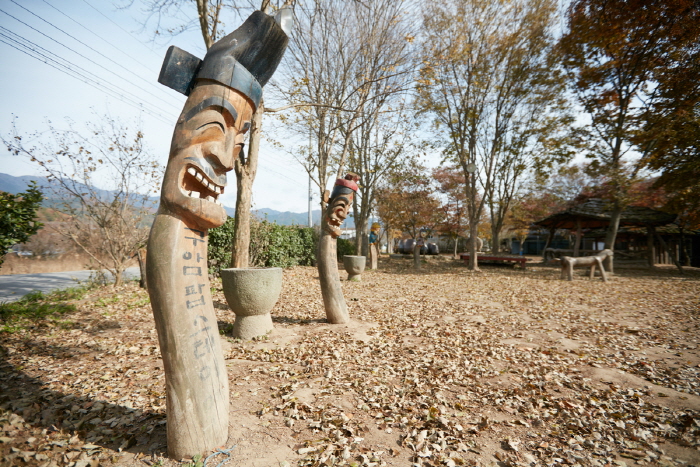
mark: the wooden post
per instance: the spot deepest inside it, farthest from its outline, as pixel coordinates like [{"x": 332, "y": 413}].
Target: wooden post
[
  {"x": 339, "y": 203},
  {"x": 374, "y": 246},
  {"x": 208, "y": 137},
  {"x": 663, "y": 245}
]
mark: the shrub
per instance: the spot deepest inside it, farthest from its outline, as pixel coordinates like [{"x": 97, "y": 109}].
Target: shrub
[
  {"x": 345, "y": 247},
  {"x": 274, "y": 245},
  {"x": 220, "y": 242},
  {"x": 271, "y": 245}
]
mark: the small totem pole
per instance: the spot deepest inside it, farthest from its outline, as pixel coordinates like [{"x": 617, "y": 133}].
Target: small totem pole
[
  {"x": 374, "y": 245},
  {"x": 339, "y": 204},
  {"x": 223, "y": 92}
]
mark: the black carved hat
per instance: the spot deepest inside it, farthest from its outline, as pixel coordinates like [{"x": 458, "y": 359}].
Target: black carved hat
[{"x": 243, "y": 60}]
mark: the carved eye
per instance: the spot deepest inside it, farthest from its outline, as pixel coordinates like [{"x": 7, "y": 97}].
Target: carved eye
[
  {"x": 213, "y": 124},
  {"x": 246, "y": 127}
]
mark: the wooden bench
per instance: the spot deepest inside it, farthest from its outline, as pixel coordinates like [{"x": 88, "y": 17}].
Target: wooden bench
[{"x": 497, "y": 258}]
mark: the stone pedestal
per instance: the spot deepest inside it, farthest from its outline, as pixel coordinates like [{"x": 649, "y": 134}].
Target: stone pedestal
[
  {"x": 354, "y": 265},
  {"x": 252, "y": 293}
]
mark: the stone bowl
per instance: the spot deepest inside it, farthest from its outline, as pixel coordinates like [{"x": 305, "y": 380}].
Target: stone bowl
[
  {"x": 354, "y": 265},
  {"x": 252, "y": 293}
]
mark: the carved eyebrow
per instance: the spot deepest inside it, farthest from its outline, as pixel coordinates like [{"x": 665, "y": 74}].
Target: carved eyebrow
[
  {"x": 216, "y": 101},
  {"x": 213, "y": 123}
]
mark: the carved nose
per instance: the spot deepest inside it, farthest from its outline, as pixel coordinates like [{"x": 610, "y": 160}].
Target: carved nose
[{"x": 218, "y": 156}]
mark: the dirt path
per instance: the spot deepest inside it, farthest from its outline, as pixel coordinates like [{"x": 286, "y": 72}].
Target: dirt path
[{"x": 442, "y": 367}]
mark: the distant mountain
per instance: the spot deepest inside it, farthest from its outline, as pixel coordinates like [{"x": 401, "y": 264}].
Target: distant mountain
[
  {"x": 286, "y": 217},
  {"x": 16, "y": 185}
]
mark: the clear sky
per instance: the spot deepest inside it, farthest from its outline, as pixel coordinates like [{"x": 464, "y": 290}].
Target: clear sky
[{"x": 87, "y": 54}]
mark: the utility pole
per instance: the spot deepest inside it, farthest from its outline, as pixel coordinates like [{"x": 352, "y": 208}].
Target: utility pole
[{"x": 311, "y": 222}]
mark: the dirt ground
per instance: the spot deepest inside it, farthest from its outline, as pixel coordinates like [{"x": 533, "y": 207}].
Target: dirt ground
[{"x": 438, "y": 367}]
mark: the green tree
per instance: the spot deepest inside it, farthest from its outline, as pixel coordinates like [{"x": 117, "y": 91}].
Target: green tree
[
  {"x": 18, "y": 217},
  {"x": 626, "y": 60}
]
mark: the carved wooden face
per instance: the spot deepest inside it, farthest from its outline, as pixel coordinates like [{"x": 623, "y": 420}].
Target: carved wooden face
[
  {"x": 208, "y": 137},
  {"x": 338, "y": 208}
]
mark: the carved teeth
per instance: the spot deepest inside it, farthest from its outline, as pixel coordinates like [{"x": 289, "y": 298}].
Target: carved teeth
[
  {"x": 211, "y": 198},
  {"x": 206, "y": 183}
]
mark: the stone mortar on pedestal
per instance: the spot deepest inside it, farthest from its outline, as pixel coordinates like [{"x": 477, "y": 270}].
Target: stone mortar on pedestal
[
  {"x": 354, "y": 265},
  {"x": 252, "y": 293}
]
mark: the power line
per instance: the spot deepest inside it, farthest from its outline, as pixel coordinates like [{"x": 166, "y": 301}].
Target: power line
[
  {"x": 78, "y": 53},
  {"x": 67, "y": 70},
  {"x": 146, "y": 67},
  {"x": 62, "y": 67},
  {"x": 101, "y": 38},
  {"x": 106, "y": 82},
  {"x": 112, "y": 21}
]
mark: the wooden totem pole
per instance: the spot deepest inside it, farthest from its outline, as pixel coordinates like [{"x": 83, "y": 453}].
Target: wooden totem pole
[
  {"x": 374, "y": 245},
  {"x": 223, "y": 91},
  {"x": 339, "y": 204}
]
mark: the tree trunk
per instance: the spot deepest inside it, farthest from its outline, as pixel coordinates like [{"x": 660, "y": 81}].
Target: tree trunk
[
  {"x": 196, "y": 381},
  {"x": 456, "y": 243},
  {"x": 118, "y": 273},
  {"x": 240, "y": 249},
  {"x": 577, "y": 243},
  {"x": 141, "y": 255},
  {"x": 611, "y": 236},
  {"x": 495, "y": 239},
  {"x": 245, "y": 176},
  {"x": 651, "y": 254},
  {"x": 333, "y": 299},
  {"x": 613, "y": 227},
  {"x": 473, "y": 260},
  {"x": 416, "y": 257},
  {"x": 361, "y": 240},
  {"x": 550, "y": 239},
  {"x": 684, "y": 256}
]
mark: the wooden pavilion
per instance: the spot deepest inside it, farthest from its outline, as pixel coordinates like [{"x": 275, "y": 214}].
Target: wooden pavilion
[{"x": 594, "y": 215}]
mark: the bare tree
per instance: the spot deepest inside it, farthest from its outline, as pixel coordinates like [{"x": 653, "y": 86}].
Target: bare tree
[
  {"x": 379, "y": 145},
  {"x": 336, "y": 75},
  {"x": 103, "y": 181},
  {"x": 489, "y": 78},
  {"x": 344, "y": 60}
]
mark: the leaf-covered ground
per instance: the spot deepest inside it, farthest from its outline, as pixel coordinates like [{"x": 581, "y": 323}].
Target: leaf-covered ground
[{"x": 440, "y": 367}]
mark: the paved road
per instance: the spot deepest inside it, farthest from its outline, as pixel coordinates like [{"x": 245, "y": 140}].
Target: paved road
[{"x": 13, "y": 287}]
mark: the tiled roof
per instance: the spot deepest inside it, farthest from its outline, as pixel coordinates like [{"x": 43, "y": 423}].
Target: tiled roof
[{"x": 595, "y": 213}]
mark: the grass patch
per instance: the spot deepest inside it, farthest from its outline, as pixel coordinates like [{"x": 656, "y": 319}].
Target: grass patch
[{"x": 38, "y": 306}]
